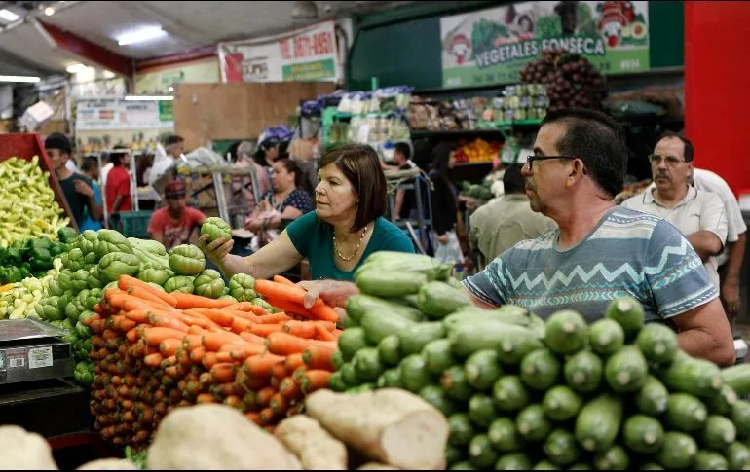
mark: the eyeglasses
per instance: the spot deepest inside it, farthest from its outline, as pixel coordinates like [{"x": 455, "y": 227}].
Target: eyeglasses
[
  {"x": 531, "y": 158},
  {"x": 671, "y": 160}
]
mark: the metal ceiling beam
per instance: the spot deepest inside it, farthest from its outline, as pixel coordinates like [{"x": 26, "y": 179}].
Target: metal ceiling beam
[
  {"x": 175, "y": 28},
  {"x": 82, "y": 47}
]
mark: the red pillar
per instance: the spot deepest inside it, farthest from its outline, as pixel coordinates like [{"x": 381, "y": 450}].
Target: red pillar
[{"x": 717, "y": 88}]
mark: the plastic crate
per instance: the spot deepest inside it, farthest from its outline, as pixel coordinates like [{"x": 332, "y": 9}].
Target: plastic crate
[{"x": 135, "y": 223}]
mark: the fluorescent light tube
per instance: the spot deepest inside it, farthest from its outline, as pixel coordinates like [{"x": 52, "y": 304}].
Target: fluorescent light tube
[
  {"x": 141, "y": 35},
  {"x": 75, "y": 68},
  {"x": 20, "y": 78},
  {"x": 8, "y": 15},
  {"x": 135, "y": 98}
]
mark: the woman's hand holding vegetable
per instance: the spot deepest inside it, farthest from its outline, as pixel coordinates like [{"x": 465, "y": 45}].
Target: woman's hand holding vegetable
[
  {"x": 333, "y": 293},
  {"x": 216, "y": 250}
]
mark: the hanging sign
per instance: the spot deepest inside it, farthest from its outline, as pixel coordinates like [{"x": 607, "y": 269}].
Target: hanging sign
[{"x": 117, "y": 113}]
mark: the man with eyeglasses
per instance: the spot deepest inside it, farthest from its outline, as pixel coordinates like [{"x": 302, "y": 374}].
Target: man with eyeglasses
[
  {"x": 701, "y": 216},
  {"x": 176, "y": 223},
  {"x": 601, "y": 251}
]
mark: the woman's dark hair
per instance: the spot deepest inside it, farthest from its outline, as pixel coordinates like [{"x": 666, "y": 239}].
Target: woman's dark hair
[
  {"x": 597, "y": 140},
  {"x": 173, "y": 139},
  {"x": 116, "y": 156},
  {"x": 292, "y": 167},
  {"x": 361, "y": 166},
  {"x": 260, "y": 153},
  {"x": 142, "y": 162},
  {"x": 88, "y": 163},
  {"x": 440, "y": 156}
]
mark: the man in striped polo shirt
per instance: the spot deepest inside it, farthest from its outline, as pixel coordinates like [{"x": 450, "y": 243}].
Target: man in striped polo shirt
[{"x": 601, "y": 251}]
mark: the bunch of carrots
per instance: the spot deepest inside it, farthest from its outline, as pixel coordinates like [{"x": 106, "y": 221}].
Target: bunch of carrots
[{"x": 156, "y": 351}]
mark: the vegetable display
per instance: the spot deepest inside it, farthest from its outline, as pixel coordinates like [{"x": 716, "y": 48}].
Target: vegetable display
[{"x": 520, "y": 392}]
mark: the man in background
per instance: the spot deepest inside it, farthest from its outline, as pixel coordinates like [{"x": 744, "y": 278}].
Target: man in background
[
  {"x": 502, "y": 222},
  {"x": 77, "y": 189},
  {"x": 176, "y": 223},
  {"x": 404, "y": 199},
  {"x": 117, "y": 186},
  {"x": 162, "y": 170},
  {"x": 90, "y": 168}
]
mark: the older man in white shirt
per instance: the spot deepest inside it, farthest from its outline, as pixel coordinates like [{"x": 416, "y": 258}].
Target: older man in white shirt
[{"x": 700, "y": 216}]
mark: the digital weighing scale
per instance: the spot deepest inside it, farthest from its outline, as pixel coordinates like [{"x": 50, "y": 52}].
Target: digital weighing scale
[{"x": 30, "y": 350}]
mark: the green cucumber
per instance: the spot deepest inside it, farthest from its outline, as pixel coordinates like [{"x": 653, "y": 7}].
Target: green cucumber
[
  {"x": 439, "y": 356},
  {"x": 414, "y": 373},
  {"x": 546, "y": 465},
  {"x": 561, "y": 403},
  {"x": 378, "y": 325},
  {"x": 336, "y": 382},
  {"x": 531, "y": 423},
  {"x": 685, "y": 412},
  {"x": 583, "y": 371},
  {"x": 643, "y": 434},
  {"x": 438, "y": 299},
  {"x": 481, "y": 452},
  {"x": 606, "y": 336},
  {"x": 510, "y": 394},
  {"x": 365, "y": 387},
  {"x": 435, "y": 396},
  {"x": 461, "y": 430},
  {"x": 464, "y": 465},
  {"x": 508, "y": 314},
  {"x": 580, "y": 466},
  {"x": 565, "y": 332},
  {"x": 482, "y": 409},
  {"x": 718, "y": 433},
  {"x": 390, "y": 378},
  {"x": 652, "y": 398},
  {"x": 658, "y": 343},
  {"x": 385, "y": 284},
  {"x": 389, "y": 351},
  {"x": 455, "y": 384},
  {"x": 738, "y": 377},
  {"x": 503, "y": 435},
  {"x": 651, "y": 466},
  {"x": 415, "y": 337},
  {"x": 453, "y": 455},
  {"x": 412, "y": 264},
  {"x": 626, "y": 370},
  {"x": 628, "y": 312},
  {"x": 722, "y": 403},
  {"x": 741, "y": 417},
  {"x": 514, "y": 461},
  {"x": 337, "y": 359},
  {"x": 367, "y": 364},
  {"x": 483, "y": 369},
  {"x": 561, "y": 447},
  {"x": 540, "y": 369},
  {"x": 350, "y": 341},
  {"x": 599, "y": 422},
  {"x": 349, "y": 374},
  {"x": 707, "y": 460},
  {"x": 614, "y": 458},
  {"x": 511, "y": 342},
  {"x": 409, "y": 301},
  {"x": 739, "y": 456}
]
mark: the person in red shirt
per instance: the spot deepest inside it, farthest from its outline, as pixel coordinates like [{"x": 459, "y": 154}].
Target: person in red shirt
[
  {"x": 176, "y": 223},
  {"x": 117, "y": 187}
]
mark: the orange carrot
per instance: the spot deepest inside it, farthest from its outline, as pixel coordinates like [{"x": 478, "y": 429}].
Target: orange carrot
[
  {"x": 292, "y": 308},
  {"x": 240, "y": 353},
  {"x": 290, "y": 388},
  {"x": 153, "y": 360},
  {"x": 301, "y": 329},
  {"x": 235, "y": 401},
  {"x": 283, "y": 280},
  {"x": 197, "y": 354},
  {"x": 293, "y": 361},
  {"x": 324, "y": 334},
  {"x": 214, "y": 341},
  {"x": 108, "y": 334},
  {"x": 250, "y": 337},
  {"x": 253, "y": 416},
  {"x": 169, "y": 346},
  {"x": 260, "y": 365},
  {"x": 220, "y": 317},
  {"x": 123, "y": 301},
  {"x": 274, "y": 318},
  {"x": 147, "y": 296},
  {"x": 183, "y": 357},
  {"x": 283, "y": 343},
  {"x": 223, "y": 372},
  {"x": 314, "y": 380},
  {"x": 278, "y": 371},
  {"x": 279, "y": 291},
  {"x": 240, "y": 324},
  {"x": 189, "y": 320},
  {"x": 195, "y": 329},
  {"x": 324, "y": 312},
  {"x": 127, "y": 282},
  {"x": 264, "y": 330},
  {"x": 186, "y": 300},
  {"x": 209, "y": 359},
  {"x": 249, "y": 308},
  {"x": 166, "y": 320},
  {"x": 191, "y": 341},
  {"x": 122, "y": 324},
  {"x": 205, "y": 398},
  {"x": 279, "y": 403},
  {"x": 264, "y": 396},
  {"x": 155, "y": 336},
  {"x": 319, "y": 357}
]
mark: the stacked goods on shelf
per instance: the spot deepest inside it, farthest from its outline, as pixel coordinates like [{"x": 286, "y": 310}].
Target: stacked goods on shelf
[
  {"x": 570, "y": 80},
  {"x": 481, "y": 192},
  {"x": 521, "y": 393},
  {"x": 28, "y": 207},
  {"x": 477, "y": 150}
]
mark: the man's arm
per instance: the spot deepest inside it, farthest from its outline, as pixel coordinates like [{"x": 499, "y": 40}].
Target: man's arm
[
  {"x": 158, "y": 236},
  {"x": 706, "y": 244},
  {"x": 730, "y": 289},
  {"x": 704, "y": 332},
  {"x": 399, "y": 202},
  {"x": 477, "y": 302}
]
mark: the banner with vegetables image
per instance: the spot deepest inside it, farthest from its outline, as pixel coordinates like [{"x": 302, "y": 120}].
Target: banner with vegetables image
[{"x": 491, "y": 46}]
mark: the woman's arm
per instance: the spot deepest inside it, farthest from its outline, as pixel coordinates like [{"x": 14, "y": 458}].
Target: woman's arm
[{"x": 277, "y": 256}]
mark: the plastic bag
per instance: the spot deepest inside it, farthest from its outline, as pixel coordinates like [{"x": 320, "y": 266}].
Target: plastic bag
[{"x": 450, "y": 252}]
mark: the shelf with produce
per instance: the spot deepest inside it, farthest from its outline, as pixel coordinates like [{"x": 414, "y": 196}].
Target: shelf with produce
[{"x": 483, "y": 127}]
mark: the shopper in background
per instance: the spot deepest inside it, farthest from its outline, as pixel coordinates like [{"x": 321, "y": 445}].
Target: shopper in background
[
  {"x": 265, "y": 156},
  {"x": 347, "y": 226},
  {"x": 163, "y": 168},
  {"x": 404, "y": 199},
  {"x": 701, "y": 216},
  {"x": 601, "y": 251},
  {"x": 444, "y": 207},
  {"x": 243, "y": 184},
  {"x": 502, "y": 222},
  {"x": 143, "y": 165},
  {"x": 117, "y": 186},
  {"x": 90, "y": 168},
  {"x": 176, "y": 223},
  {"x": 77, "y": 189}
]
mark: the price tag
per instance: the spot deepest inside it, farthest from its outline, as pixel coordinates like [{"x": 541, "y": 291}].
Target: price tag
[{"x": 40, "y": 357}]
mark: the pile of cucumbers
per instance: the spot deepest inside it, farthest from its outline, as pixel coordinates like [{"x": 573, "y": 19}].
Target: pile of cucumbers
[{"x": 522, "y": 393}]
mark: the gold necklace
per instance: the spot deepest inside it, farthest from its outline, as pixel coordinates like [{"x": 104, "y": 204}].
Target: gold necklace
[{"x": 356, "y": 250}]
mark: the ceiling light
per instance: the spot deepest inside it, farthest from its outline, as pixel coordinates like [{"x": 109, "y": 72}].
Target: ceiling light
[
  {"x": 136, "y": 98},
  {"x": 76, "y": 68},
  {"x": 20, "y": 78},
  {"x": 140, "y": 35},
  {"x": 8, "y": 15},
  {"x": 305, "y": 10},
  {"x": 170, "y": 89},
  {"x": 108, "y": 74},
  {"x": 49, "y": 11}
]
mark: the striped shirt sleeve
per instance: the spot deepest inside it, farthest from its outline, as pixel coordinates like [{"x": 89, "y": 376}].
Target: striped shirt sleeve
[
  {"x": 490, "y": 285},
  {"x": 675, "y": 274}
]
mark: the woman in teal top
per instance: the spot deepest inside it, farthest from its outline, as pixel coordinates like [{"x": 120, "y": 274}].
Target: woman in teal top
[{"x": 346, "y": 227}]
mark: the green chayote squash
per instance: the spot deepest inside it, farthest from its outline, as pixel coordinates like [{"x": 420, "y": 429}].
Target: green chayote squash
[
  {"x": 241, "y": 287},
  {"x": 179, "y": 283},
  {"x": 149, "y": 245},
  {"x": 187, "y": 259},
  {"x": 90, "y": 260},
  {"x": 228, "y": 297},
  {"x": 209, "y": 284},
  {"x": 63, "y": 301},
  {"x": 68, "y": 325},
  {"x": 63, "y": 280},
  {"x": 82, "y": 330},
  {"x": 54, "y": 289},
  {"x": 111, "y": 241},
  {"x": 73, "y": 260},
  {"x": 94, "y": 278},
  {"x": 150, "y": 260},
  {"x": 89, "y": 298},
  {"x": 79, "y": 281},
  {"x": 159, "y": 277},
  {"x": 216, "y": 228},
  {"x": 47, "y": 309},
  {"x": 261, "y": 303},
  {"x": 114, "y": 264}
]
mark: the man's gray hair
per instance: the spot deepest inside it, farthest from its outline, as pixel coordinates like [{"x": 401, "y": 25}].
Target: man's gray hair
[{"x": 245, "y": 149}]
